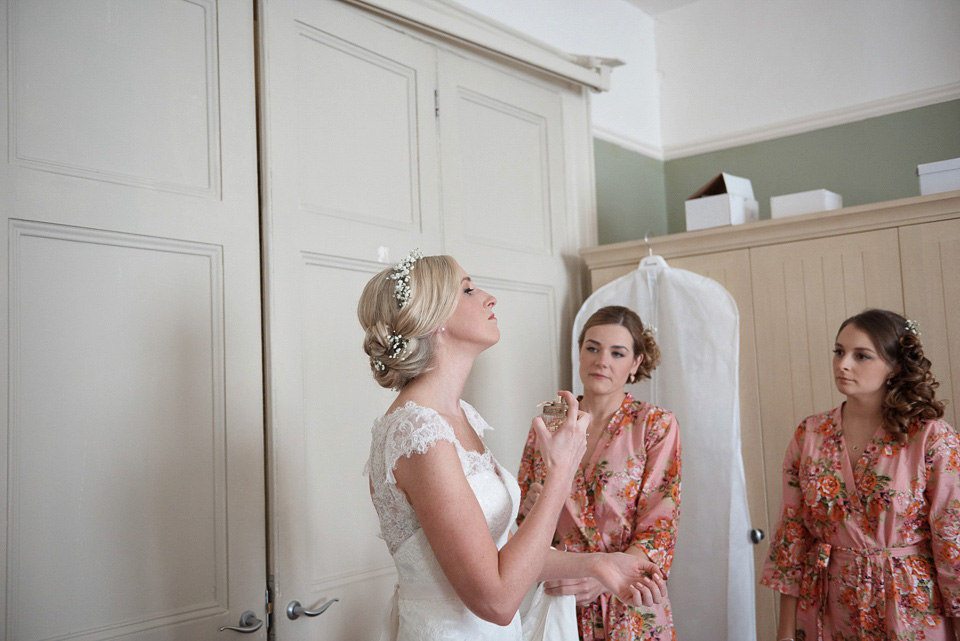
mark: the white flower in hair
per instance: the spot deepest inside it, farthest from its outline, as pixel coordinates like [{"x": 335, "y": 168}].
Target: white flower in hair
[
  {"x": 401, "y": 276},
  {"x": 913, "y": 327}
]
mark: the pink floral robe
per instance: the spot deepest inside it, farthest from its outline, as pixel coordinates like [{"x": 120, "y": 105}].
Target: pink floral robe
[
  {"x": 628, "y": 494},
  {"x": 872, "y": 549}
]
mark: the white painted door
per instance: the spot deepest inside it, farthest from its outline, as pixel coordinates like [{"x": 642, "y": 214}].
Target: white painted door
[
  {"x": 132, "y": 491},
  {"x": 349, "y": 159},
  {"x": 351, "y": 145},
  {"x": 507, "y": 222}
]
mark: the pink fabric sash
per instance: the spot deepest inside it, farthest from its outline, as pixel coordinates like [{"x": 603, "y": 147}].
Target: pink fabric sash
[{"x": 815, "y": 582}]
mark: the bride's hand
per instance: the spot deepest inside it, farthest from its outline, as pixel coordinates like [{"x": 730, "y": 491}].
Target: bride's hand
[
  {"x": 632, "y": 580},
  {"x": 562, "y": 450}
]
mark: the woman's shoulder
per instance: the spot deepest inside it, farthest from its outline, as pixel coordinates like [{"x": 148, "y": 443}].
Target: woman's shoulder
[
  {"x": 411, "y": 418},
  {"x": 816, "y": 422},
  {"x": 935, "y": 430},
  {"x": 647, "y": 413}
]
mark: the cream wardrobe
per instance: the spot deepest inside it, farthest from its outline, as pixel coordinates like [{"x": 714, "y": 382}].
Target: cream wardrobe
[
  {"x": 794, "y": 281},
  {"x": 194, "y": 193}
]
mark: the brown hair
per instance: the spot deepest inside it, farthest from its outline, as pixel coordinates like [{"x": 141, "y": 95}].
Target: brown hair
[
  {"x": 434, "y": 284},
  {"x": 910, "y": 392},
  {"x": 643, "y": 342}
]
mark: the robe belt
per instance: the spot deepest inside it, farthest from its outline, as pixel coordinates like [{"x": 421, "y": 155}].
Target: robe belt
[{"x": 818, "y": 562}]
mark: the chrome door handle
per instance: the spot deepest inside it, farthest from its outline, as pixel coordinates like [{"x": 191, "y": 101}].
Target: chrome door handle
[
  {"x": 756, "y": 535},
  {"x": 294, "y": 610},
  {"x": 248, "y": 623}
]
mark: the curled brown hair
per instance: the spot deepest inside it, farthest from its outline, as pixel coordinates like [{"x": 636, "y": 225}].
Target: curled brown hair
[
  {"x": 910, "y": 394},
  {"x": 643, "y": 342}
]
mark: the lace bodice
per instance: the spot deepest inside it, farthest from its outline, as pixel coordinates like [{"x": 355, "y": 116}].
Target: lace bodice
[{"x": 414, "y": 429}]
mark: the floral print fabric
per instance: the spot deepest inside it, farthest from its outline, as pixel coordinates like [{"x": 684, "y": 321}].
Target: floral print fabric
[
  {"x": 871, "y": 547},
  {"x": 628, "y": 494}
]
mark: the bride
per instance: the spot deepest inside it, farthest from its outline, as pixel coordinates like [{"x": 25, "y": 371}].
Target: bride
[{"x": 445, "y": 504}]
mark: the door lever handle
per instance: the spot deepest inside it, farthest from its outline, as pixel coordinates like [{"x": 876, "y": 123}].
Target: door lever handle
[
  {"x": 294, "y": 609},
  {"x": 248, "y": 623}
]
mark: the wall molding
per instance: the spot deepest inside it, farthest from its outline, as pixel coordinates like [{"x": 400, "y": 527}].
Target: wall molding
[
  {"x": 628, "y": 142},
  {"x": 806, "y": 124},
  {"x": 450, "y": 20},
  {"x": 843, "y": 116}
]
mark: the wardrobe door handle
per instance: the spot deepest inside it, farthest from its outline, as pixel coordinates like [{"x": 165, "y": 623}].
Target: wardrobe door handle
[
  {"x": 294, "y": 609},
  {"x": 756, "y": 535},
  {"x": 248, "y": 623}
]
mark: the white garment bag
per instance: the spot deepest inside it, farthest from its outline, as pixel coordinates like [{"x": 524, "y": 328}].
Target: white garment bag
[{"x": 696, "y": 325}]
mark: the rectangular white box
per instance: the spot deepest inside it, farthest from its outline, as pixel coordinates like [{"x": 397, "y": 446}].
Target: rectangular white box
[
  {"x": 725, "y": 200},
  {"x": 804, "y": 202},
  {"x": 936, "y": 177}
]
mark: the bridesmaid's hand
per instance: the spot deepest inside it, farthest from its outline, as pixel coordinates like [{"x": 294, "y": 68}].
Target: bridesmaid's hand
[
  {"x": 533, "y": 493},
  {"x": 632, "y": 580},
  {"x": 584, "y": 590}
]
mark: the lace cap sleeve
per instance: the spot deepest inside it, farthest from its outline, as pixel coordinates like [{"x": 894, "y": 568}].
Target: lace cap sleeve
[
  {"x": 412, "y": 429},
  {"x": 476, "y": 421}
]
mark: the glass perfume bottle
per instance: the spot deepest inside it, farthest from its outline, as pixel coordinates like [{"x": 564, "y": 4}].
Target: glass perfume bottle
[{"x": 553, "y": 413}]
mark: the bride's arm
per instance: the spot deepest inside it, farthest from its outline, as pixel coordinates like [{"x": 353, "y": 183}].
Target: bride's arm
[{"x": 490, "y": 582}]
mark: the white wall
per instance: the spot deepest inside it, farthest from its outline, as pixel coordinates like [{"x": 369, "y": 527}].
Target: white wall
[
  {"x": 713, "y": 74},
  {"x": 629, "y": 113},
  {"x": 739, "y": 71}
]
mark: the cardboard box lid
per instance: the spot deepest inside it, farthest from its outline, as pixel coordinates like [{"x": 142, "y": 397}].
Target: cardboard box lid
[
  {"x": 941, "y": 165},
  {"x": 724, "y": 183}
]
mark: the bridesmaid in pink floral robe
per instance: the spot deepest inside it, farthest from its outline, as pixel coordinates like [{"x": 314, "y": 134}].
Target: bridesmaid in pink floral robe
[
  {"x": 869, "y": 536},
  {"x": 626, "y": 495}
]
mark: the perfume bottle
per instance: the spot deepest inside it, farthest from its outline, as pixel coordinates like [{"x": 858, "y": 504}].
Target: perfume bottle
[{"x": 553, "y": 413}]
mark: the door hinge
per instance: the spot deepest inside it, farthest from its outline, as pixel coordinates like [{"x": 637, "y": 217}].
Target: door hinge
[{"x": 436, "y": 102}]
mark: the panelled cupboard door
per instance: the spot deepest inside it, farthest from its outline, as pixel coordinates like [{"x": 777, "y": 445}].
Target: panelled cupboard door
[
  {"x": 349, "y": 166},
  {"x": 132, "y": 489},
  {"x": 802, "y": 292},
  {"x": 732, "y": 270},
  {"x": 506, "y": 221},
  {"x": 931, "y": 294}
]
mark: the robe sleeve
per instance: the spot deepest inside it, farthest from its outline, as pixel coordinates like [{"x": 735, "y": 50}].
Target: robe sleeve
[
  {"x": 942, "y": 462},
  {"x": 791, "y": 541},
  {"x": 658, "y": 505},
  {"x": 531, "y": 468}
]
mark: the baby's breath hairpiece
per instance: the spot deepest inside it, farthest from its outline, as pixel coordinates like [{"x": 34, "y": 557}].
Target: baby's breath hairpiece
[
  {"x": 378, "y": 364},
  {"x": 398, "y": 346},
  {"x": 401, "y": 276},
  {"x": 913, "y": 327}
]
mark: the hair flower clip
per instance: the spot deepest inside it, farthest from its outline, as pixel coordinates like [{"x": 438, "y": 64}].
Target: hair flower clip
[
  {"x": 401, "y": 276},
  {"x": 913, "y": 327},
  {"x": 398, "y": 346}
]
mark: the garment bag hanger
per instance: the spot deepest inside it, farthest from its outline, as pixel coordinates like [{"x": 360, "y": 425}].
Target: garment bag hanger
[{"x": 650, "y": 260}]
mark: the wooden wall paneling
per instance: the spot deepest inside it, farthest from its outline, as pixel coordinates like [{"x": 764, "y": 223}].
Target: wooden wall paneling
[{"x": 930, "y": 265}]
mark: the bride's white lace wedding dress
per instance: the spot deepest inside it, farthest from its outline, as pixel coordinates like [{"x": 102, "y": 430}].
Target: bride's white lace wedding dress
[{"x": 428, "y": 607}]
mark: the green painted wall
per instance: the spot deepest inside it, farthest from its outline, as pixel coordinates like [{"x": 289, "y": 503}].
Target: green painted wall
[
  {"x": 865, "y": 162},
  {"x": 631, "y": 196}
]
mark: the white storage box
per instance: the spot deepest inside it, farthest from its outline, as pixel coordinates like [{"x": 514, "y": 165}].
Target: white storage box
[
  {"x": 939, "y": 176},
  {"x": 725, "y": 200},
  {"x": 804, "y": 202}
]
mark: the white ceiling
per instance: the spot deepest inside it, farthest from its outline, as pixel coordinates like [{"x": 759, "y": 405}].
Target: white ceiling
[{"x": 653, "y": 7}]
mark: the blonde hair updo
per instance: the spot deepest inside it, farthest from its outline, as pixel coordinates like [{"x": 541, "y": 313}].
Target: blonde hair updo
[{"x": 434, "y": 283}]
